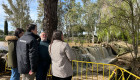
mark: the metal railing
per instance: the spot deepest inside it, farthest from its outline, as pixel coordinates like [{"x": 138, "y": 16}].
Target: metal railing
[
  {"x": 83, "y": 70},
  {"x": 100, "y": 71}
]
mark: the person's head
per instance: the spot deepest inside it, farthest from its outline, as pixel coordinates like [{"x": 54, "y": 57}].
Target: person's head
[
  {"x": 57, "y": 35},
  {"x": 19, "y": 32},
  {"x": 43, "y": 36},
  {"x": 32, "y": 28}
]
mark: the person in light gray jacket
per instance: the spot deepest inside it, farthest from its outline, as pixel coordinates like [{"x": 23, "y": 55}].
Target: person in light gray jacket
[{"x": 61, "y": 56}]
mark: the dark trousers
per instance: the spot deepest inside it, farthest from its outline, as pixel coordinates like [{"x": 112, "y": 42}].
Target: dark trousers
[
  {"x": 42, "y": 71},
  {"x": 58, "y": 78}
]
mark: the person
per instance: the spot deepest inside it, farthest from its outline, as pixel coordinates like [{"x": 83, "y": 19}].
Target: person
[
  {"x": 61, "y": 57},
  {"x": 12, "y": 59},
  {"x": 44, "y": 58},
  {"x": 27, "y": 53}
]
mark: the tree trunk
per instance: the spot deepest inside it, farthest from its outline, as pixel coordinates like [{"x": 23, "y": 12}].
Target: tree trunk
[
  {"x": 93, "y": 37},
  {"x": 50, "y": 17},
  {"x": 68, "y": 33},
  {"x": 107, "y": 37},
  {"x": 88, "y": 37},
  {"x": 134, "y": 33},
  {"x": 135, "y": 40}
]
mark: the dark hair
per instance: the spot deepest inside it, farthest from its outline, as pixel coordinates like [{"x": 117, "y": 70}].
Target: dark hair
[
  {"x": 18, "y": 31},
  {"x": 56, "y": 36},
  {"x": 31, "y": 27}
]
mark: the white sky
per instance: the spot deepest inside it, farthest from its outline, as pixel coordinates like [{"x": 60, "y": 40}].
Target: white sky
[{"x": 33, "y": 13}]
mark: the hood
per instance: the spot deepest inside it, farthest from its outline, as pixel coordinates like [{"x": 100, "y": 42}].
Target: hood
[{"x": 11, "y": 38}]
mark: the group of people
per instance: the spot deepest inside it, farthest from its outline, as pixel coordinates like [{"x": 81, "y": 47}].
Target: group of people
[{"x": 30, "y": 55}]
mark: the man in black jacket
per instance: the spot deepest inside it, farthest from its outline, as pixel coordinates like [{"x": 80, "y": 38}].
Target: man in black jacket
[{"x": 27, "y": 53}]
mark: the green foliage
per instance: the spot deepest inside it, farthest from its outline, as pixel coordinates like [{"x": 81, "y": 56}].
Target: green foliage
[
  {"x": 3, "y": 51},
  {"x": 5, "y": 28},
  {"x": 11, "y": 32},
  {"x": 90, "y": 16},
  {"x": 60, "y": 13},
  {"x": 2, "y": 37},
  {"x": 18, "y": 13},
  {"x": 73, "y": 19},
  {"x": 116, "y": 20},
  {"x": 40, "y": 10},
  {"x": 76, "y": 41},
  {"x": 68, "y": 41},
  {"x": 1, "y": 32},
  {"x": 102, "y": 33},
  {"x": 120, "y": 19},
  {"x": 77, "y": 29}
]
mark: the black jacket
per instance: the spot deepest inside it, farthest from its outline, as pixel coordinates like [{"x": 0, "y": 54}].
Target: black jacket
[{"x": 27, "y": 53}]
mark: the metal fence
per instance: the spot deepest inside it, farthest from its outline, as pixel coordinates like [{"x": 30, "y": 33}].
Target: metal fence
[
  {"x": 99, "y": 71},
  {"x": 83, "y": 70}
]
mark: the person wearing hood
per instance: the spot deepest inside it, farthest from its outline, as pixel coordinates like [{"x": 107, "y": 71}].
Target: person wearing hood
[{"x": 12, "y": 59}]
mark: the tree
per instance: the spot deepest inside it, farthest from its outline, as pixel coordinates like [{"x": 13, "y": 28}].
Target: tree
[
  {"x": 60, "y": 14},
  {"x": 11, "y": 32},
  {"x": 124, "y": 16},
  {"x": 18, "y": 13},
  {"x": 73, "y": 19},
  {"x": 40, "y": 10},
  {"x": 50, "y": 17},
  {"x": 90, "y": 17},
  {"x": 1, "y": 32},
  {"x": 5, "y": 27},
  {"x": 127, "y": 18}
]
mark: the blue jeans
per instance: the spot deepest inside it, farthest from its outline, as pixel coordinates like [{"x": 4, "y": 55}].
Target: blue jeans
[
  {"x": 41, "y": 73},
  {"x": 14, "y": 74}
]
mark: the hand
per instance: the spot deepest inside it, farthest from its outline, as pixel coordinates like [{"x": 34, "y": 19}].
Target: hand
[{"x": 30, "y": 72}]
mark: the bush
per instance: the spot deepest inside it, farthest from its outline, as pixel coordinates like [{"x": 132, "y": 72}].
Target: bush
[
  {"x": 76, "y": 41},
  {"x": 68, "y": 41},
  {"x": 2, "y": 37},
  {"x": 3, "y": 51}
]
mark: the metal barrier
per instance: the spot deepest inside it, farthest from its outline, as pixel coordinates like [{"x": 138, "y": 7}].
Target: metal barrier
[
  {"x": 99, "y": 71},
  {"x": 9, "y": 68},
  {"x": 83, "y": 70}
]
